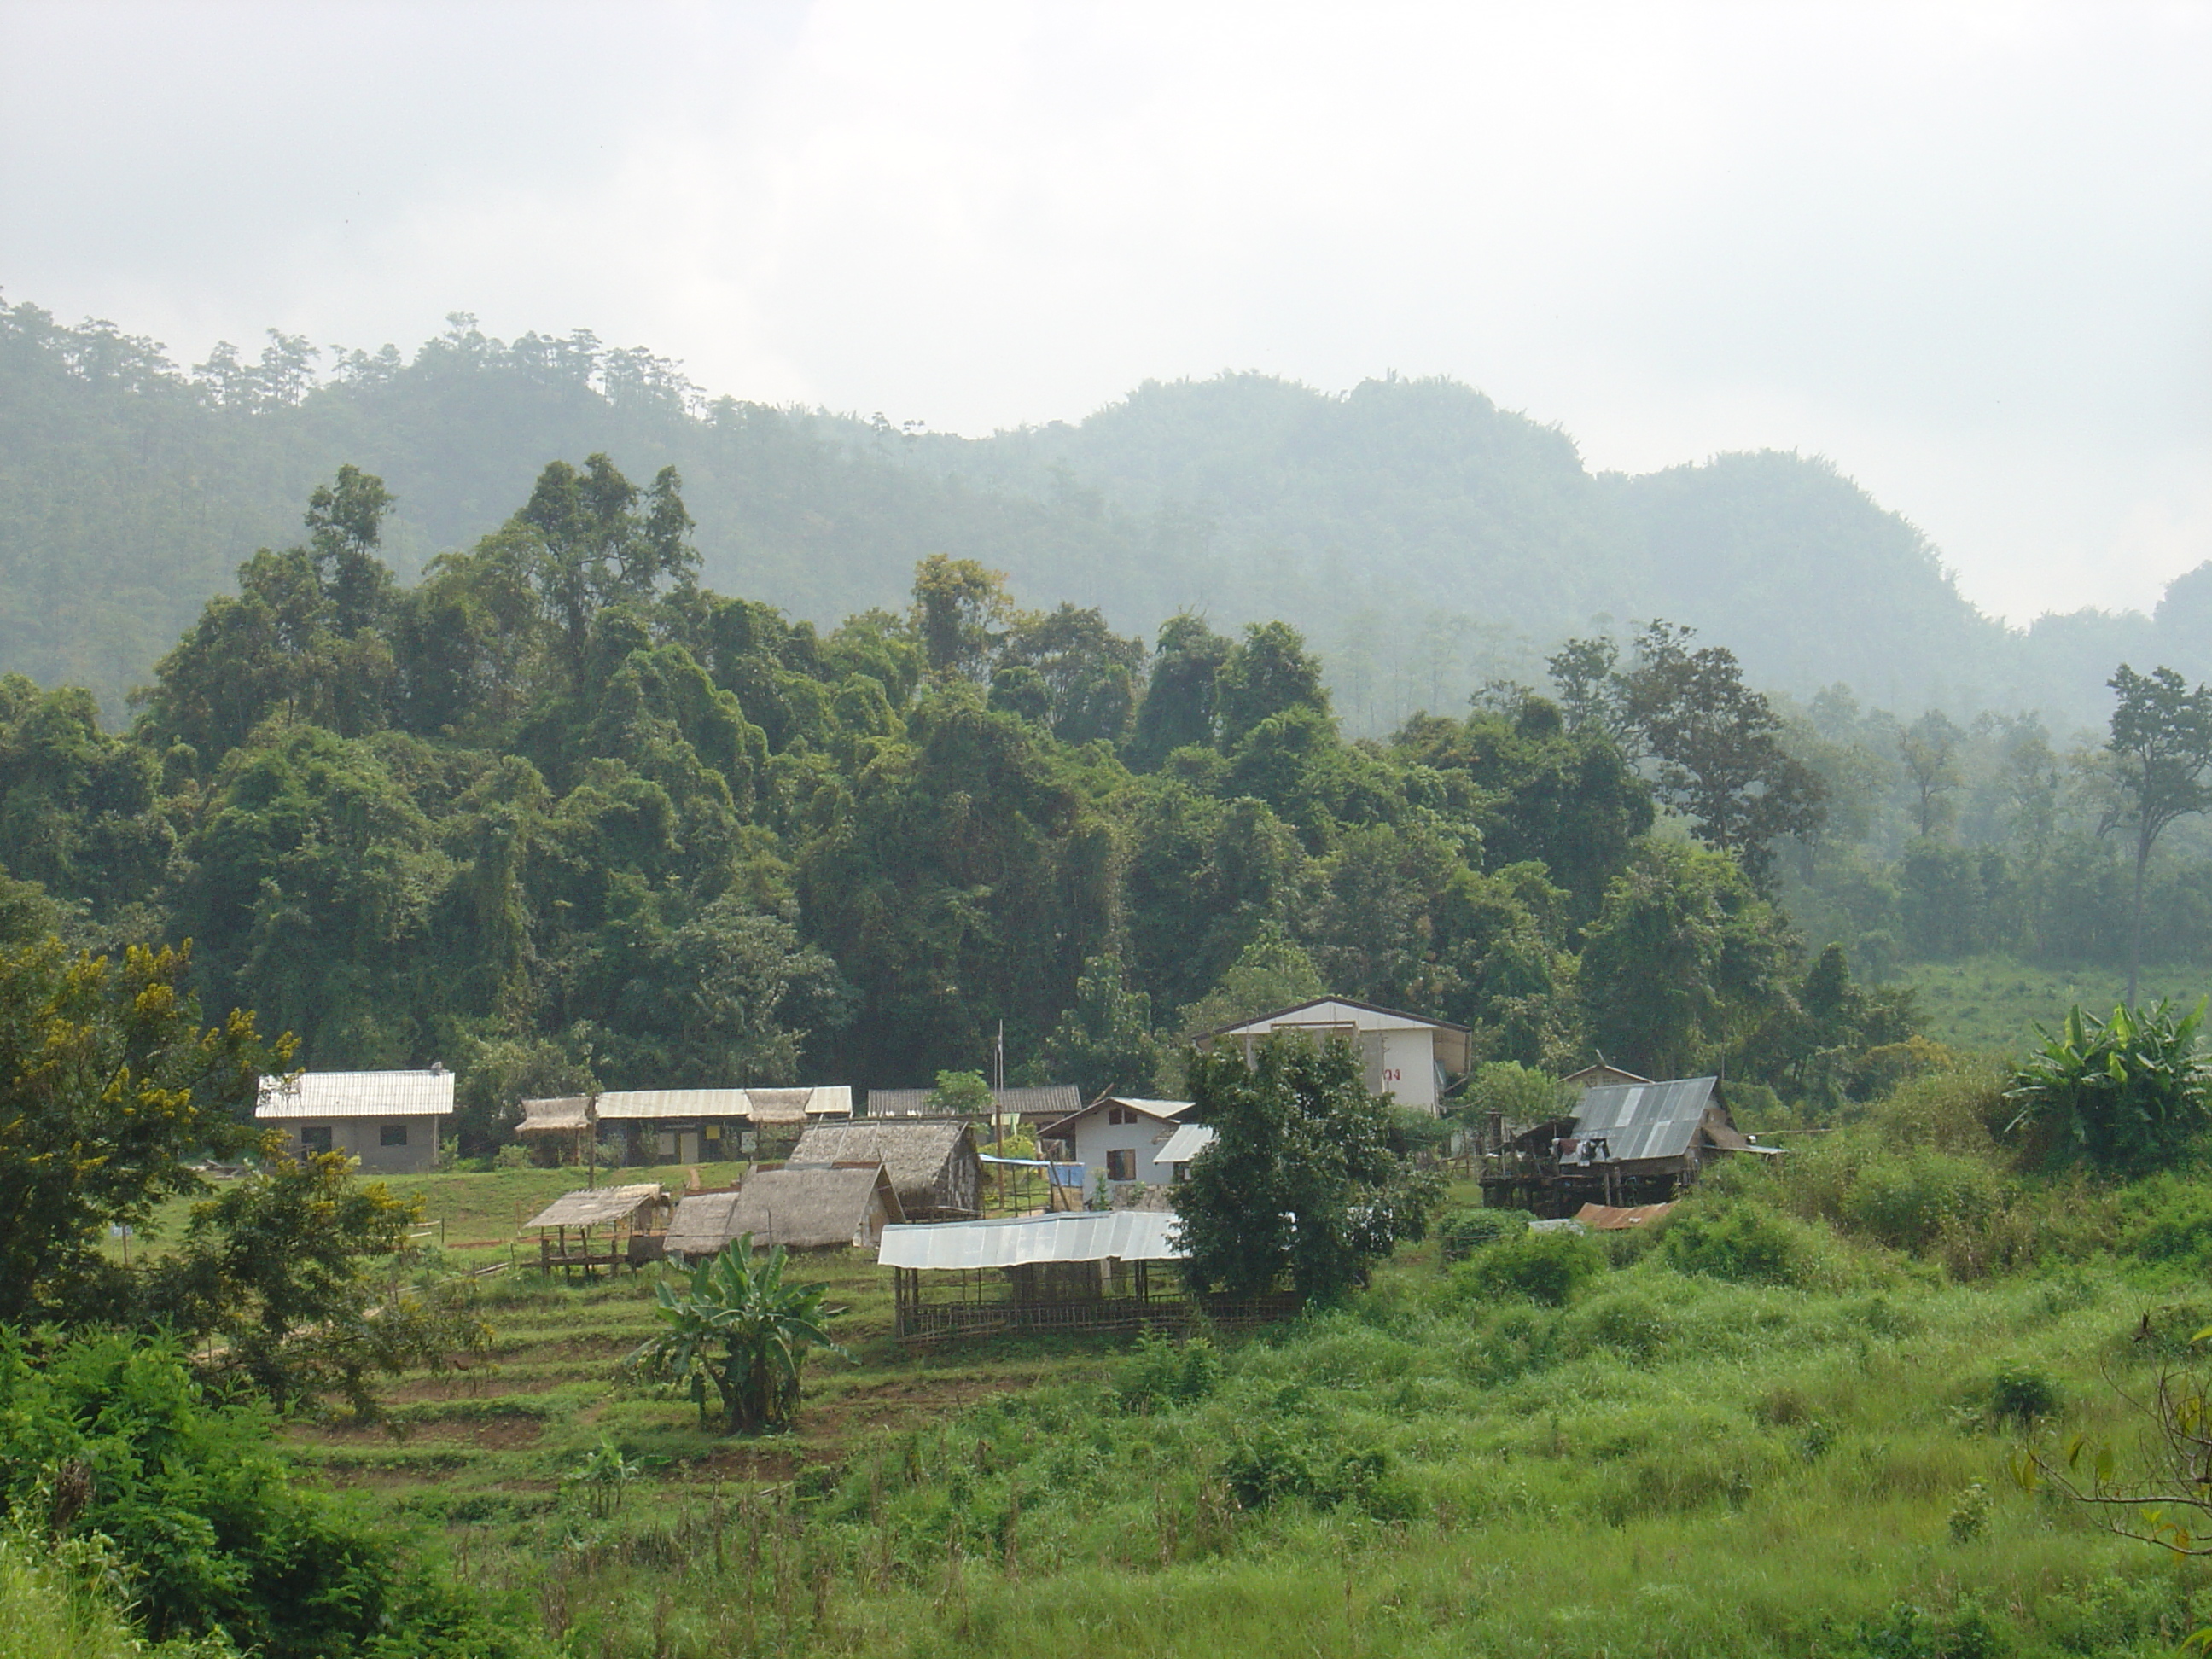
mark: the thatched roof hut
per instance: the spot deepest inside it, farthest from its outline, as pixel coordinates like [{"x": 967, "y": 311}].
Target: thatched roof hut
[
  {"x": 932, "y": 1163},
  {"x": 813, "y": 1209}
]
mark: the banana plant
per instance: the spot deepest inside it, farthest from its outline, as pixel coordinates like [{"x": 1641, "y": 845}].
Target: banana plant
[{"x": 734, "y": 1325}]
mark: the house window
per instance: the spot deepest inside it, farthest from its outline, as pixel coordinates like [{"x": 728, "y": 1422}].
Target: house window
[
  {"x": 315, "y": 1138},
  {"x": 391, "y": 1134},
  {"x": 1123, "y": 1114},
  {"x": 1121, "y": 1164}
]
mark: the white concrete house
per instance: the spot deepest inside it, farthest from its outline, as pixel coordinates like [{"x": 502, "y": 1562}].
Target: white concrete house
[
  {"x": 1120, "y": 1137},
  {"x": 391, "y": 1120},
  {"x": 1405, "y": 1056}
]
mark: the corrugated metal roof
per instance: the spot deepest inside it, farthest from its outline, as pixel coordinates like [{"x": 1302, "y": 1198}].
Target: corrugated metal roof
[
  {"x": 1188, "y": 1140},
  {"x": 597, "y": 1206},
  {"x": 1644, "y": 1120},
  {"x": 1053, "y": 1099},
  {"x": 357, "y": 1094},
  {"x": 1084, "y": 1235},
  {"x": 758, "y": 1105}
]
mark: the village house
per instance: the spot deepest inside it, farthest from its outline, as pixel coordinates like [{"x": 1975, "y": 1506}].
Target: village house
[
  {"x": 1402, "y": 1055},
  {"x": 1120, "y": 1137},
  {"x": 1188, "y": 1140},
  {"x": 1030, "y": 1109},
  {"x": 683, "y": 1126},
  {"x": 932, "y": 1162},
  {"x": 1626, "y": 1146},
  {"x": 391, "y": 1121}
]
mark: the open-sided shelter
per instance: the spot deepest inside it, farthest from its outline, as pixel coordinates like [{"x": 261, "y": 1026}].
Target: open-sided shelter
[
  {"x": 612, "y": 1227},
  {"x": 1090, "y": 1270},
  {"x": 1402, "y": 1055},
  {"x": 932, "y": 1162},
  {"x": 390, "y": 1120}
]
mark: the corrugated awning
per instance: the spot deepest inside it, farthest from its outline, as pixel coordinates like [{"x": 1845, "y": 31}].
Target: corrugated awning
[
  {"x": 1086, "y": 1236},
  {"x": 1188, "y": 1140}
]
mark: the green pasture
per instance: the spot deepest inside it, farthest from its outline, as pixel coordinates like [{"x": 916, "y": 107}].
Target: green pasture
[
  {"x": 1673, "y": 1463},
  {"x": 1992, "y": 1005}
]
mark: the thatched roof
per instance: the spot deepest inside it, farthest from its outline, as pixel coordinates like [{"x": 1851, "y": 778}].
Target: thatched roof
[
  {"x": 807, "y": 1209},
  {"x": 913, "y": 1151},
  {"x": 701, "y": 1224},
  {"x": 564, "y": 1115},
  {"x": 601, "y": 1206}
]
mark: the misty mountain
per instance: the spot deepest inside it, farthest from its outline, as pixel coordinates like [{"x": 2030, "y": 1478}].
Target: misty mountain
[{"x": 1425, "y": 539}]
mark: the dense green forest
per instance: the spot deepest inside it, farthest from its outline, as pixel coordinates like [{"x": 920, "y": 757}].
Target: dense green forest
[
  {"x": 1424, "y": 540},
  {"x": 556, "y": 812}
]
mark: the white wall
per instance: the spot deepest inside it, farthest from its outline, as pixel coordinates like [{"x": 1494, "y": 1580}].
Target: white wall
[
  {"x": 1409, "y": 1068},
  {"x": 1095, "y": 1137}
]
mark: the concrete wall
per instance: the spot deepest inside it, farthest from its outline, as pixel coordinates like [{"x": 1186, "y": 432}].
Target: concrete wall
[{"x": 363, "y": 1138}]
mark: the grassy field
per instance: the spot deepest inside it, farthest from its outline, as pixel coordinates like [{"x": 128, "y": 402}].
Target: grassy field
[
  {"x": 1672, "y": 1464},
  {"x": 1991, "y": 1005}
]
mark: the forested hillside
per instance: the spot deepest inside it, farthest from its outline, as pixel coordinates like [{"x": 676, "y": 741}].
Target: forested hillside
[
  {"x": 1424, "y": 540},
  {"x": 557, "y": 813}
]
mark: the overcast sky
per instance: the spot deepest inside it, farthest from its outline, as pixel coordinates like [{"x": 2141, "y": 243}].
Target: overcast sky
[{"x": 1965, "y": 252}]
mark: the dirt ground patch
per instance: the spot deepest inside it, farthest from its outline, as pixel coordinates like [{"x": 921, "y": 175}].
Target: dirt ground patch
[{"x": 490, "y": 1433}]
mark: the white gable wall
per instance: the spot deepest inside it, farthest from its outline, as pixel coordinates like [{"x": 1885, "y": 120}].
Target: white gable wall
[{"x": 1093, "y": 1137}]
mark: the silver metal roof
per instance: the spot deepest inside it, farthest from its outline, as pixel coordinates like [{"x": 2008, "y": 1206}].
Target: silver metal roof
[
  {"x": 1644, "y": 1120},
  {"x": 1043, "y": 1100},
  {"x": 1188, "y": 1140},
  {"x": 1084, "y": 1235},
  {"x": 356, "y": 1094},
  {"x": 758, "y": 1105}
]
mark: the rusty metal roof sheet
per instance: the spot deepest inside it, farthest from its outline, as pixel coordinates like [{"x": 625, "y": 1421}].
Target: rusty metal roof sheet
[
  {"x": 1082, "y": 1235},
  {"x": 357, "y": 1094},
  {"x": 1644, "y": 1120}
]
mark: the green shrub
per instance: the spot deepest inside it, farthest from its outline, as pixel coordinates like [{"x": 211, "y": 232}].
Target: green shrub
[
  {"x": 203, "y": 1514},
  {"x": 1906, "y": 1200},
  {"x": 2020, "y": 1395},
  {"x": 512, "y": 1156},
  {"x": 1159, "y": 1373},
  {"x": 1909, "y": 1632},
  {"x": 1745, "y": 1243},
  {"x": 1547, "y": 1268},
  {"x": 1310, "y": 1459},
  {"x": 1470, "y": 1229}
]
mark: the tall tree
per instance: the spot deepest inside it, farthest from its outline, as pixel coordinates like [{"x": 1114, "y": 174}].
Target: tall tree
[
  {"x": 2160, "y": 742},
  {"x": 1716, "y": 750},
  {"x": 1929, "y": 748},
  {"x": 1300, "y": 1183}
]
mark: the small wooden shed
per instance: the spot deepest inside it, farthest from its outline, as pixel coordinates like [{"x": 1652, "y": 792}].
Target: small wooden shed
[
  {"x": 934, "y": 1163},
  {"x": 612, "y": 1227}
]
